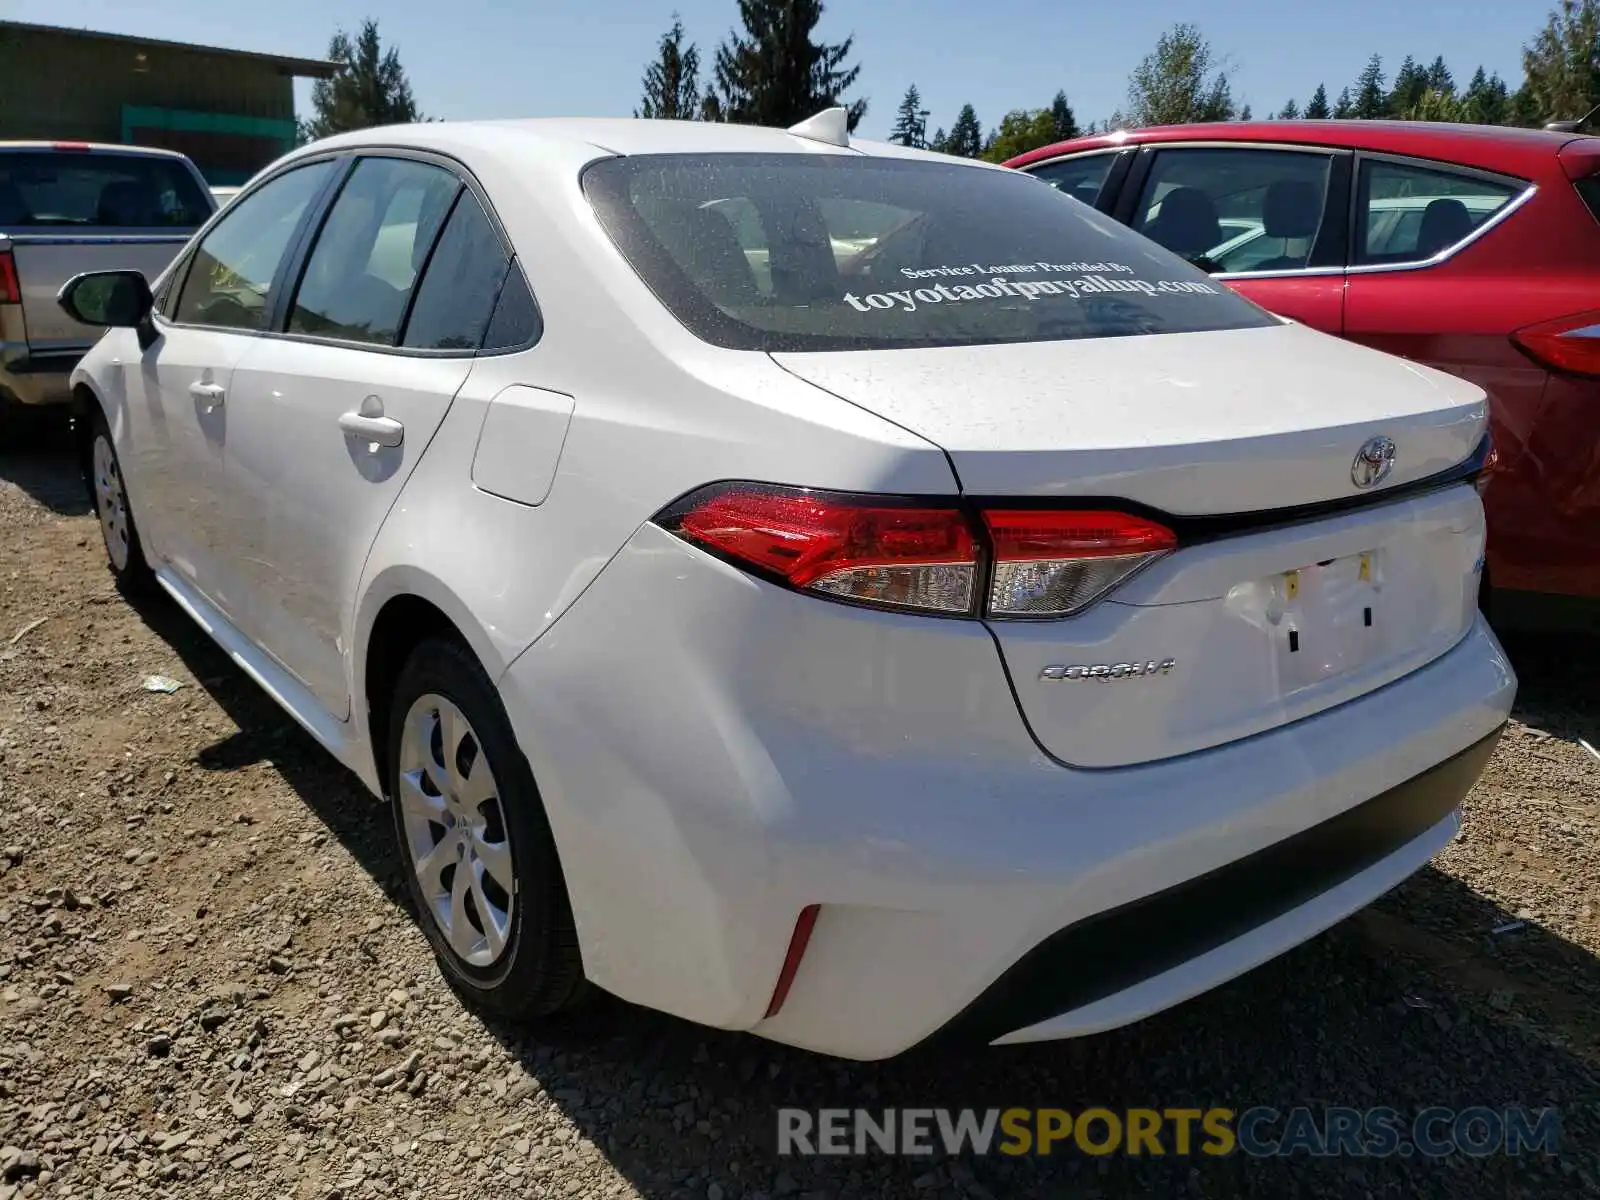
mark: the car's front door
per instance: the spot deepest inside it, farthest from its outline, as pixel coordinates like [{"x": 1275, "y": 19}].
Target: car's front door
[
  {"x": 333, "y": 411},
  {"x": 1267, "y": 220},
  {"x": 213, "y": 311}
]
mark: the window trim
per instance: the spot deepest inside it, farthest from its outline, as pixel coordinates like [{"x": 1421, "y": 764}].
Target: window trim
[
  {"x": 1333, "y": 240},
  {"x": 1523, "y": 191},
  {"x": 293, "y": 264}
]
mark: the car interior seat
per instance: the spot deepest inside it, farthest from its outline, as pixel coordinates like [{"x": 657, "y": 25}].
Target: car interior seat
[
  {"x": 1291, "y": 210},
  {"x": 1444, "y": 223}
]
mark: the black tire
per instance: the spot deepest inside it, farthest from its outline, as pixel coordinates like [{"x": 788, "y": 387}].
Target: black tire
[
  {"x": 120, "y": 536},
  {"x": 540, "y": 971}
]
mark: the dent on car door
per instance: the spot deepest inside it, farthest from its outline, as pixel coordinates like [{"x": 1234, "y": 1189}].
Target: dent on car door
[
  {"x": 1267, "y": 220},
  {"x": 335, "y": 410},
  {"x": 211, "y": 313}
]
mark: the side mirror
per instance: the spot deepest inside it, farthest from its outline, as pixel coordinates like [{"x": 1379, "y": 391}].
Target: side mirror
[{"x": 120, "y": 299}]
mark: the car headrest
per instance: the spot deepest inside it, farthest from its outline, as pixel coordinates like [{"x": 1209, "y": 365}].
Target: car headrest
[
  {"x": 1292, "y": 209},
  {"x": 1187, "y": 223},
  {"x": 1444, "y": 223}
]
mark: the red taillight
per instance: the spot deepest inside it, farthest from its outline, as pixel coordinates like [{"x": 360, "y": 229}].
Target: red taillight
[
  {"x": 1050, "y": 564},
  {"x": 855, "y": 548},
  {"x": 10, "y": 289},
  {"x": 69, "y": 145},
  {"x": 874, "y": 550},
  {"x": 1570, "y": 344}
]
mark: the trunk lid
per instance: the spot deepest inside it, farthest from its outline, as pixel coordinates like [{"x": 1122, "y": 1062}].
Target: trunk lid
[
  {"x": 1190, "y": 423},
  {"x": 1238, "y": 630}
]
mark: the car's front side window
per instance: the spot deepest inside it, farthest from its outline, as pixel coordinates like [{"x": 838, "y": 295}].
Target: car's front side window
[
  {"x": 1081, "y": 177},
  {"x": 359, "y": 278},
  {"x": 230, "y": 282},
  {"x": 1228, "y": 209}
]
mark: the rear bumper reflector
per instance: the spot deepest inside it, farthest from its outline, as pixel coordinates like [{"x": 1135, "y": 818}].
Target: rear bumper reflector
[{"x": 798, "y": 941}]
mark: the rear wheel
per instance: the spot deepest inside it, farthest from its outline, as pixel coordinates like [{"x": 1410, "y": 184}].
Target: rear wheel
[
  {"x": 124, "y": 552},
  {"x": 476, "y": 845}
]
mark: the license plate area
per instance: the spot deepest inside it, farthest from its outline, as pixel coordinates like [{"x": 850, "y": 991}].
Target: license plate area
[{"x": 1326, "y": 619}]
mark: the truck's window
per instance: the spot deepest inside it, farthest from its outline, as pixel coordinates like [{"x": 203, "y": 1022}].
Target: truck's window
[
  {"x": 99, "y": 189},
  {"x": 235, "y": 263}
]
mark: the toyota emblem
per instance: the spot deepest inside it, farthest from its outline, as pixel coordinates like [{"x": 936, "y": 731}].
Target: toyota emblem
[{"x": 1373, "y": 462}]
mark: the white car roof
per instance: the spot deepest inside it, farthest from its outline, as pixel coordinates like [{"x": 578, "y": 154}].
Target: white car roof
[{"x": 618, "y": 135}]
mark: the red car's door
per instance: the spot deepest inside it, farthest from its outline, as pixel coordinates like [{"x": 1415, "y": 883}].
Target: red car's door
[
  {"x": 1426, "y": 284},
  {"x": 1268, "y": 220}
]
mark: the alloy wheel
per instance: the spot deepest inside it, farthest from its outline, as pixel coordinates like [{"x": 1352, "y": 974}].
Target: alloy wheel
[
  {"x": 455, "y": 830},
  {"x": 111, "y": 502}
]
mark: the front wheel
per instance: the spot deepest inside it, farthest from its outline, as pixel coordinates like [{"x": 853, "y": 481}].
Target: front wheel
[
  {"x": 124, "y": 551},
  {"x": 474, "y": 840}
]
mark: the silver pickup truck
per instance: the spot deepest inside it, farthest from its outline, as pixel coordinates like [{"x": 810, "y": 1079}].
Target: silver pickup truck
[{"x": 71, "y": 207}]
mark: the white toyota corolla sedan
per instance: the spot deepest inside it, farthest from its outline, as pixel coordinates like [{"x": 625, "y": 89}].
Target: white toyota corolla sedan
[{"x": 807, "y": 586}]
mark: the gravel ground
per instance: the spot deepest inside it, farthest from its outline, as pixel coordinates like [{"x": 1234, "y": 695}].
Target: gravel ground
[{"x": 210, "y": 984}]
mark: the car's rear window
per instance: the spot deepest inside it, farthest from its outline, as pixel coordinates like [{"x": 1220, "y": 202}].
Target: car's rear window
[
  {"x": 790, "y": 252},
  {"x": 99, "y": 189}
]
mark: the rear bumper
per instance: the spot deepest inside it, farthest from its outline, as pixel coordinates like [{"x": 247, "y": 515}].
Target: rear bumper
[
  {"x": 1118, "y": 965},
  {"x": 29, "y": 378},
  {"x": 717, "y": 754}
]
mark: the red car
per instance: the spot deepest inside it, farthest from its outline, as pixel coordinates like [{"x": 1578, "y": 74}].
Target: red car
[{"x": 1470, "y": 248}]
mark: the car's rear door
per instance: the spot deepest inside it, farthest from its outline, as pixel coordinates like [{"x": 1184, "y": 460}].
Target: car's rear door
[
  {"x": 1269, "y": 220},
  {"x": 336, "y": 406},
  {"x": 1442, "y": 271}
]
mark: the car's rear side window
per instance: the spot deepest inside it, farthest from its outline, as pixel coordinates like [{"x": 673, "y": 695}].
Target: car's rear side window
[
  {"x": 99, "y": 190},
  {"x": 1407, "y": 212},
  {"x": 1589, "y": 193},
  {"x": 358, "y": 279},
  {"x": 462, "y": 280},
  {"x": 794, "y": 252}
]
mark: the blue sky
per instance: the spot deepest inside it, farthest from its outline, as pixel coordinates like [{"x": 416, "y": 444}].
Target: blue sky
[{"x": 503, "y": 58}]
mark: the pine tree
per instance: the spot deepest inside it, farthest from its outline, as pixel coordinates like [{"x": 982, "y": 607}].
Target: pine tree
[
  {"x": 1317, "y": 107},
  {"x": 1410, "y": 82},
  {"x": 369, "y": 87},
  {"x": 1439, "y": 77},
  {"x": 1245, "y": 113},
  {"x": 1344, "y": 108},
  {"x": 1562, "y": 65},
  {"x": 1063, "y": 124},
  {"x": 1487, "y": 101},
  {"x": 1290, "y": 111},
  {"x": 939, "y": 143},
  {"x": 672, "y": 82},
  {"x": 911, "y": 123},
  {"x": 1370, "y": 99},
  {"x": 966, "y": 135},
  {"x": 774, "y": 73}
]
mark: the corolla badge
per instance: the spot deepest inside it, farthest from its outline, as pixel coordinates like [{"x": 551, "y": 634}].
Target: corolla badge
[
  {"x": 1108, "y": 671},
  {"x": 1373, "y": 462}
]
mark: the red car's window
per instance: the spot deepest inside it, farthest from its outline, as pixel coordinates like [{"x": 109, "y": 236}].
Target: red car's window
[{"x": 1409, "y": 213}]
